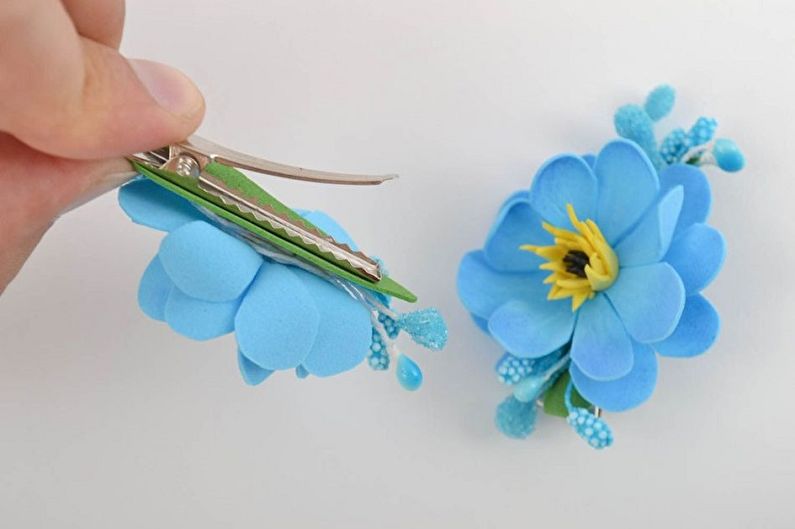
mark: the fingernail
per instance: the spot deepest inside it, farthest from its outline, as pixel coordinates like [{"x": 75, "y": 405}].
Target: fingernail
[{"x": 170, "y": 88}]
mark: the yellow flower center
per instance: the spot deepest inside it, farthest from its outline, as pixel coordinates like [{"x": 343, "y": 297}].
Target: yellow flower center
[{"x": 581, "y": 262}]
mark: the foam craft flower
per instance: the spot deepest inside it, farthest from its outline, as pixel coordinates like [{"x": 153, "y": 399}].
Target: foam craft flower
[
  {"x": 205, "y": 283},
  {"x": 598, "y": 268},
  {"x": 616, "y": 259}
]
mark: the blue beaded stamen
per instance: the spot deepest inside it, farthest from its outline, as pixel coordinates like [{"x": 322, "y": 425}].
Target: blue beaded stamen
[
  {"x": 591, "y": 428},
  {"x": 426, "y": 327},
  {"x": 636, "y": 123}
]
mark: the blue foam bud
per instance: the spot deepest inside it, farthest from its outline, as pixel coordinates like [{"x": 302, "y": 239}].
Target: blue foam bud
[
  {"x": 675, "y": 145},
  {"x": 426, "y": 327},
  {"x": 515, "y": 419},
  {"x": 702, "y": 131},
  {"x": 408, "y": 373},
  {"x": 633, "y": 123},
  {"x": 592, "y": 429},
  {"x": 512, "y": 369},
  {"x": 659, "y": 102},
  {"x": 727, "y": 155},
  {"x": 301, "y": 372}
]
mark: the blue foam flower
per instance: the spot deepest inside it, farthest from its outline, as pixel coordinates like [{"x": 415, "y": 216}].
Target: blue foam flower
[
  {"x": 617, "y": 257},
  {"x": 205, "y": 283}
]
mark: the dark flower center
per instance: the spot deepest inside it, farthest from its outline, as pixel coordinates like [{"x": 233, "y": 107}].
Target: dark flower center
[{"x": 576, "y": 261}]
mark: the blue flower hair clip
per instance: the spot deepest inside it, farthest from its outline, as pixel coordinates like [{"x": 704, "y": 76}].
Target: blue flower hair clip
[
  {"x": 598, "y": 268},
  {"x": 211, "y": 277}
]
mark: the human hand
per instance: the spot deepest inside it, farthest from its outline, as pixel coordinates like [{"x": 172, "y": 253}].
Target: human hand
[{"x": 70, "y": 107}]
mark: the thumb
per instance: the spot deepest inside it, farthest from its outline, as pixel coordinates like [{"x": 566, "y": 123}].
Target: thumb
[{"x": 75, "y": 98}]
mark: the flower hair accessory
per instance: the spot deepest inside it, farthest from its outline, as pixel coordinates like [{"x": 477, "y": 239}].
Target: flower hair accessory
[
  {"x": 291, "y": 285},
  {"x": 596, "y": 269}
]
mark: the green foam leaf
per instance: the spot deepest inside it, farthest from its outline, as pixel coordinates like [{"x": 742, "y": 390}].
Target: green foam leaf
[
  {"x": 554, "y": 398},
  {"x": 188, "y": 188}
]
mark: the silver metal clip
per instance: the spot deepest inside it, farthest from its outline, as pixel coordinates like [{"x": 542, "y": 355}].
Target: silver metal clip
[
  {"x": 203, "y": 152},
  {"x": 191, "y": 157}
]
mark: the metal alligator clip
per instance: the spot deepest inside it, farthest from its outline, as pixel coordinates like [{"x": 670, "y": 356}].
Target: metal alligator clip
[{"x": 205, "y": 173}]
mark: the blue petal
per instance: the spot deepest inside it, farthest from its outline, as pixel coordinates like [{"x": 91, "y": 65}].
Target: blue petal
[
  {"x": 698, "y": 197},
  {"x": 206, "y": 263},
  {"x": 590, "y": 159},
  {"x": 649, "y": 299},
  {"x": 651, "y": 238},
  {"x": 482, "y": 289},
  {"x": 153, "y": 290},
  {"x": 697, "y": 255},
  {"x": 330, "y": 226},
  {"x": 627, "y": 186},
  {"x": 601, "y": 347},
  {"x": 516, "y": 224},
  {"x": 278, "y": 321},
  {"x": 697, "y": 330},
  {"x": 626, "y": 392},
  {"x": 532, "y": 328},
  {"x": 481, "y": 323},
  {"x": 565, "y": 179},
  {"x": 345, "y": 330},
  {"x": 252, "y": 373},
  {"x": 199, "y": 319},
  {"x": 152, "y": 205}
]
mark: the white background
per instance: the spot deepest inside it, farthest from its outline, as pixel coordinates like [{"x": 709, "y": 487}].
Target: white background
[{"x": 108, "y": 419}]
